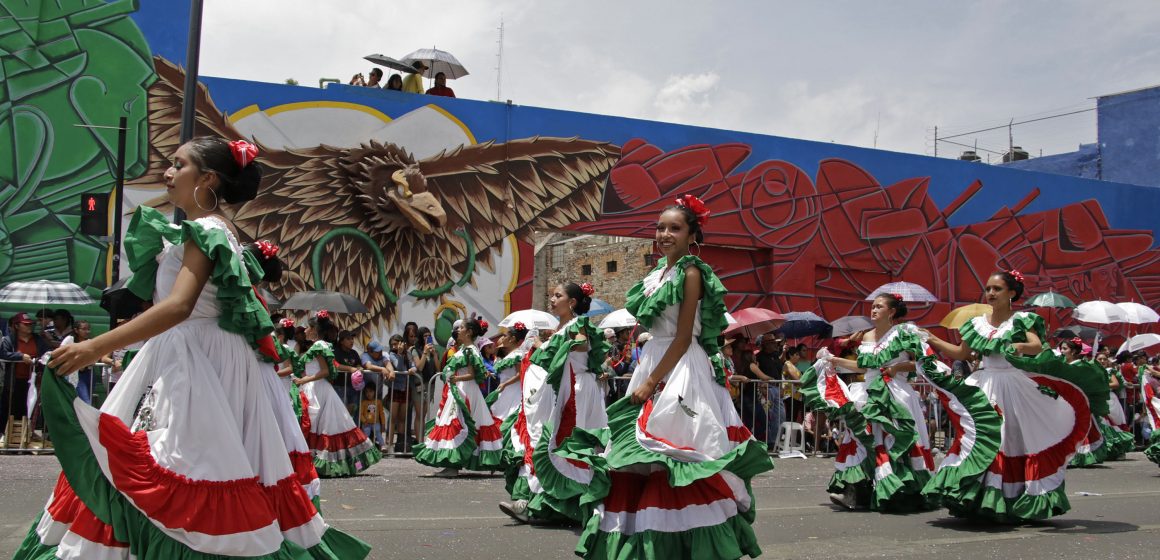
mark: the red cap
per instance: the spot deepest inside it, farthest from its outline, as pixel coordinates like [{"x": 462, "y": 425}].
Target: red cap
[{"x": 21, "y": 318}]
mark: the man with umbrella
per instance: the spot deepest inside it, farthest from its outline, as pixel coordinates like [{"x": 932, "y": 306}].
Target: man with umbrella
[{"x": 413, "y": 83}]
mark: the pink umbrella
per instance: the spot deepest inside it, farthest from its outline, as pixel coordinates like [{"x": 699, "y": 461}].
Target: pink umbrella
[{"x": 754, "y": 321}]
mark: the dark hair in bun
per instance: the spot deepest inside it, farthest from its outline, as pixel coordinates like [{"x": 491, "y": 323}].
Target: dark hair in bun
[
  {"x": 324, "y": 327},
  {"x": 1013, "y": 284},
  {"x": 690, "y": 219},
  {"x": 583, "y": 301},
  {"x": 1076, "y": 347},
  {"x": 518, "y": 334},
  {"x": 473, "y": 327},
  {"x": 213, "y": 154},
  {"x": 894, "y": 302},
  {"x": 272, "y": 267}
]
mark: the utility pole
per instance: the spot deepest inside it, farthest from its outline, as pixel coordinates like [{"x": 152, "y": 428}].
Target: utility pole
[
  {"x": 936, "y": 140},
  {"x": 499, "y": 64},
  {"x": 189, "y": 101}
]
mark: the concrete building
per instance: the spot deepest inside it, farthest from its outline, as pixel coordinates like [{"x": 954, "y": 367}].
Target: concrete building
[{"x": 611, "y": 264}]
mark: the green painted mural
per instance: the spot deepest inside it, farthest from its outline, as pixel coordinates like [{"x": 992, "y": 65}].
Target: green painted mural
[{"x": 69, "y": 69}]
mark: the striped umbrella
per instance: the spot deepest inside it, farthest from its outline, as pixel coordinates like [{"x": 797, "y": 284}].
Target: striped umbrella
[{"x": 45, "y": 292}]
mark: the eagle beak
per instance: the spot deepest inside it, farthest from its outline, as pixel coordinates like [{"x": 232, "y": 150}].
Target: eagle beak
[{"x": 422, "y": 210}]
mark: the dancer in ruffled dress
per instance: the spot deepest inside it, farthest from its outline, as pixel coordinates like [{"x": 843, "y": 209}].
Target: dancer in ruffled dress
[
  {"x": 339, "y": 447},
  {"x": 505, "y": 400},
  {"x": 679, "y": 461},
  {"x": 1092, "y": 449},
  {"x": 886, "y": 458},
  {"x": 185, "y": 459},
  {"x": 1117, "y": 433},
  {"x": 463, "y": 434},
  {"x": 1045, "y": 407},
  {"x": 560, "y": 395}
]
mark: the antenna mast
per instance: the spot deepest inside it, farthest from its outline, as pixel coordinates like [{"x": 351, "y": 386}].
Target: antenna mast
[{"x": 499, "y": 63}]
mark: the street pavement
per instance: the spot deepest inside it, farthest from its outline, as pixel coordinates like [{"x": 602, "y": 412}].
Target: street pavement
[{"x": 405, "y": 513}]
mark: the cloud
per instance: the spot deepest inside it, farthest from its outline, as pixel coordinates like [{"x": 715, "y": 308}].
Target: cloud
[{"x": 685, "y": 93}]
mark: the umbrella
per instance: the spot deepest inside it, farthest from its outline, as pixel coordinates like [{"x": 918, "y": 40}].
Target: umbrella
[
  {"x": 1099, "y": 311},
  {"x": 319, "y": 300},
  {"x": 1137, "y": 314},
  {"x": 1077, "y": 331},
  {"x": 1139, "y": 342},
  {"x": 1051, "y": 299},
  {"x": 729, "y": 320},
  {"x": 44, "y": 292},
  {"x": 960, "y": 315},
  {"x": 272, "y": 301},
  {"x": 851, "y": 324},
  {"x": 618, "y": 319},
  {"x": 753, "y": 321},
  {"x": 437, "y": 61},
  {"x": 120, "y": 302},
  {"x": 800, "y": 324},
  {"x": 599, "y": 307},
  {"x": 532, "y": 319},
  {"x": 384, "y": 60},
  {"x": 909, "y": 291}
]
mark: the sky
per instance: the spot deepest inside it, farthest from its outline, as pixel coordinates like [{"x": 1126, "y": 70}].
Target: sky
[{"x": 870, "y": 74}]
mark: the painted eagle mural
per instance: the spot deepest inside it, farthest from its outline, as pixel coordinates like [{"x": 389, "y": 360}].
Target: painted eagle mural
[{"x": 373, "y": 221}]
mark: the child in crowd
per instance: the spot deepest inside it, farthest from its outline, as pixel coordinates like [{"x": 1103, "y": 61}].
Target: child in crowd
[{"x": 372, "y": 417}]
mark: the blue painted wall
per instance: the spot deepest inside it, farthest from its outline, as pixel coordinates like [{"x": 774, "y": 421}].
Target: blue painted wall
[{"x": 1129, "y": 136}]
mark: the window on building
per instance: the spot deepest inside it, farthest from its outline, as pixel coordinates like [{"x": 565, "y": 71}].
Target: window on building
[
  {"x": 586, "y": 270},
  {"x": 610, "y": 266},
  {"x": 557, "y": 256},
  {"x": 650, "y": 259}
]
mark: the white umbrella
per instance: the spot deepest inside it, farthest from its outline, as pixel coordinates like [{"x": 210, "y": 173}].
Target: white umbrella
[
  {"x": 437, "y": 61},
  {"x": 1099, "y": 311},
  {"x": 532, "y": 319},
  {"x": 851, "y": 324},
  {"x": 45, "y": 292},
  {"x": 1139, "y": 342},
  {"x": 1138, "y": 314},
  {"x": 618, "y": 319},
  {"x": 909, "y": 291}
]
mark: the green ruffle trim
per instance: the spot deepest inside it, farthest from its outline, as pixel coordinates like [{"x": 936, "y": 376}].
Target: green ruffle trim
[
  {"x": 1117, "y": 442},
  {"x": 464, "y": 456},
  {"x": 554, "y": 354},
  {"x": 727, "y": 541},
  {"x": 563, "y": 496},
  {"x": 511, "y": 361},
  {"x": 144, "y": 240},
  {"x": 146, "y": 541},
  {"x": 1092, "y": 458},
  {"x": 647, "y": 308},
  {"x": 466, "y": 358},
  {"x": 241, "y": 310},
  {"x": 857, "y": 477},
  {"x": 1088, "y": 376},
  {"x": 959, "y": 487},
  {"x": 991, "y": 505},
  {"x": 902, "y": 338},
  {"x": 320, "y": 348},
  {"x": 1022, "y": 323},
  {"x": 335, "y": 545},
  {"x": 348, "y": 466},
  {"x": 1152, "y": 452}
]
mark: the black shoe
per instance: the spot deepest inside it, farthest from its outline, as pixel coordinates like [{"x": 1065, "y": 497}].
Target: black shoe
[{"x": 399, "y": 447}]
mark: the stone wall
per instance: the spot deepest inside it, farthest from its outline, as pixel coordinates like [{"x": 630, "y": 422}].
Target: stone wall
[{"x": 611, "y": 264}]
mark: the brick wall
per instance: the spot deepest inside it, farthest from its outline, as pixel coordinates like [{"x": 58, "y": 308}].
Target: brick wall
[{"x": 588, "y": 258}]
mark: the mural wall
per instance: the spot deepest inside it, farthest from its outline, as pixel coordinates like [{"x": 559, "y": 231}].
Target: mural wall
[{"x": 423, "y": 206}]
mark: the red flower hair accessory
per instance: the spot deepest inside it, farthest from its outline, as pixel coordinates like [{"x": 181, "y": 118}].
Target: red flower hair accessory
[
  {"x": 483, "y": 324},
  {"x": 1078, "y": 342},
  {"x": 897, "y": 296},
  {"x": 268, "y": 250},
  {"x": 1018, "y": 276},
  {"x": 699, "y": 209},
  {"x": 324, "y": 314},
  {"x": 286, "y": 323},
  {"x": 519, "y": 326},
  {"x": 244, "y": 152},
  {"x": 587, "y": 289}
]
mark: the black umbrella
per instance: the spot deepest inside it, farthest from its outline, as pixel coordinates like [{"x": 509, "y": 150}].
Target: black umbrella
[
  {"x": 1086, "y": 334},
  {"x": 800, "y": 324},
  {"x": 120, "y": 302},
  {"x": 272, "y": 302},
  {"x": 319, "y": 300}
]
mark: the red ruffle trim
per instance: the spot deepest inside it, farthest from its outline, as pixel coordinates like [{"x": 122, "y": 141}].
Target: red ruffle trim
[
  {"x": 335, "y": 442},
  {"x": 175, "y": 501},
  {"x": 956, "y": 447},
  {"x": 446, "y": 432},
  {"x": 67, "y": 509},
  {"x": 303, "y": 464},
  {"x": 567, "y": 421},
  {"x": 632, "y": 492},
  {"x": 489, "y": 433},
  {"x": 1035, "y": 466},
  {"x": 304, "y": 422},
  {"x": 738, "y": 434},
  {"x": 834, "y": 391},
  {"x": 291, "y": 503},
  {"x": 846, "y": 450}
]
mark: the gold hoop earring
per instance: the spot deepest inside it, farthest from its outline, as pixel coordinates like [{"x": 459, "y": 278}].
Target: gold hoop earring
[
  {"x": 698, "y": 246},
  {"x": 198, "y": 202}
]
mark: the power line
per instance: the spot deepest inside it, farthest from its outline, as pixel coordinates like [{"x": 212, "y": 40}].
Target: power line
[{"x": 1008, "y": 125}]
